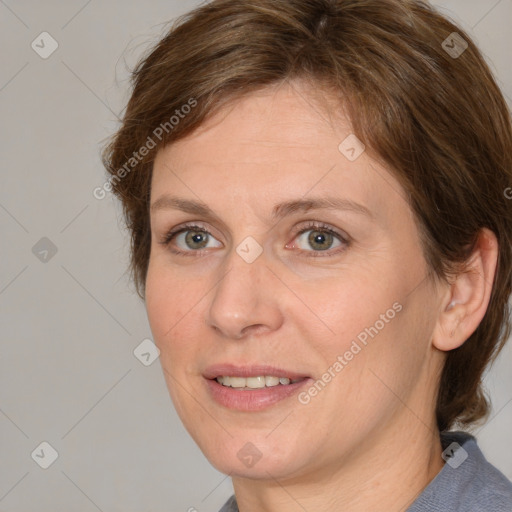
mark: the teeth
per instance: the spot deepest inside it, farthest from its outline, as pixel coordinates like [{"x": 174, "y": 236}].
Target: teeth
[
  {"x": 236, "y": 382},
  {"x": 254, "y": 382},
  {"x": 271, "y": 381}
]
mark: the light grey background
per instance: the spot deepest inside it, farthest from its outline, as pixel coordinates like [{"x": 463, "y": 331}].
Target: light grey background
[{"x": 68, "y": 375}]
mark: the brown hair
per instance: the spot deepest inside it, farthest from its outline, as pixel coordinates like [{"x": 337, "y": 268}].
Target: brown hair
[{"x": 437, "y": 120}]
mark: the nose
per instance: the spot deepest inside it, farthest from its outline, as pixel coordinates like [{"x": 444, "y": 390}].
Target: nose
[{"x": 245, "y": 301}]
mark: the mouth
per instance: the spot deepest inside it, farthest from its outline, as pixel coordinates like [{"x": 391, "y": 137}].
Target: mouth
[{"x": 252, "y": 388}]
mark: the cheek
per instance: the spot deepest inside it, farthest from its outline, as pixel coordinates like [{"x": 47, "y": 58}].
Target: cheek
[
  {"x": 339, "y": 311},
  {"x": 169, "y": 303},
  {"x": 160, "y": 304},
  {"x": 372, "y": 328},
  {"x": 169, "y": 307}
]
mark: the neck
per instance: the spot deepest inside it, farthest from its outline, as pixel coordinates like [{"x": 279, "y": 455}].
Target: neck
[{"x": 386, "y": 474}]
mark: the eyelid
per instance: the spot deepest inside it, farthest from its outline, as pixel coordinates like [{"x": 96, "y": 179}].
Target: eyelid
[
  {"x": 320, "y": 226},
  {"x": 186, "y": 226}
]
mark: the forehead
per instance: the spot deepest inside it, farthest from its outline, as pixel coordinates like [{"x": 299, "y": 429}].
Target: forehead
[
  {"x": 285, "y": 118},
  {"x": 274, "y": 145}
]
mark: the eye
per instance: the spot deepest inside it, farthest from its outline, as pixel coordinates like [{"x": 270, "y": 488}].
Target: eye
[
  {"x": 321, "y": 238},
  {"x": 189, "y": 239}
]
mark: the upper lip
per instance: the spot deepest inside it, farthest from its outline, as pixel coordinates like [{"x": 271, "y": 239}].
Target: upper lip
[{"x": 253, "y": 370}]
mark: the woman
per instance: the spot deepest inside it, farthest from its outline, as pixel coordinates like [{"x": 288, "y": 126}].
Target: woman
[{"x": 316, "y": 195}]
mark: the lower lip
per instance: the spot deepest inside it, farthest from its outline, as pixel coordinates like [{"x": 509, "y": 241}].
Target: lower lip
[{"x": 252, "y": 399}]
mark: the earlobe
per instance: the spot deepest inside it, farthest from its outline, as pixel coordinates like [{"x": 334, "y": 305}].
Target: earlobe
[{"x": 467, "y": 298}]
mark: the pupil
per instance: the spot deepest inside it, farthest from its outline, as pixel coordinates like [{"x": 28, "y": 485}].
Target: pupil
[
  {"x": 196, "y": 237},
  {"x": 320, "y": 239}
]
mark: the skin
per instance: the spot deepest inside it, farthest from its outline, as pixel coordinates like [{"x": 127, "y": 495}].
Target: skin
[{"x": 368, "y": 440}]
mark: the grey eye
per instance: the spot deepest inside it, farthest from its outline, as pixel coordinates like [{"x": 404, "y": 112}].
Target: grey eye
[{"x": 319, "y": 240}]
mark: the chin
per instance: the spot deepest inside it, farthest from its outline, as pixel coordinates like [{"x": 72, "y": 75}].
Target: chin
[{"x": 255, "y": 456}]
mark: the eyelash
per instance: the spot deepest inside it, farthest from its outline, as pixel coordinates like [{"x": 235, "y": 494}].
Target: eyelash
[{"x": 319, "y": 226}]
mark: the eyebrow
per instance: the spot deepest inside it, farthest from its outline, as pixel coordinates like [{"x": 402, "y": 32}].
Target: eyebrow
[{"x": 279, "y": 211}]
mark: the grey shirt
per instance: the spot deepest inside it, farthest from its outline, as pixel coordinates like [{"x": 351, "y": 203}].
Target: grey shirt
[{"x": 466, "y": 483}]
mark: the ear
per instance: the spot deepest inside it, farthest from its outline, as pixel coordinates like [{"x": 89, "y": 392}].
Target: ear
[{"x": 467, "y": 298}]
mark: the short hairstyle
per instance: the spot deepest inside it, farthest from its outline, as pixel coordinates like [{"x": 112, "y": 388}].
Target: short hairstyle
[{"x": 435, "y": 118}]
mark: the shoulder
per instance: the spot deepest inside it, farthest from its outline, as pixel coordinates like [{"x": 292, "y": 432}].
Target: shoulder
[
  {"x": 230, "y": 505},
  {"x": 467, "y": 482},
  {"x": 490, "y": 489}
]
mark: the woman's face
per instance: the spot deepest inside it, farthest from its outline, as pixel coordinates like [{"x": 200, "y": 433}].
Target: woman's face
[{"x": 280, "y": 275}]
